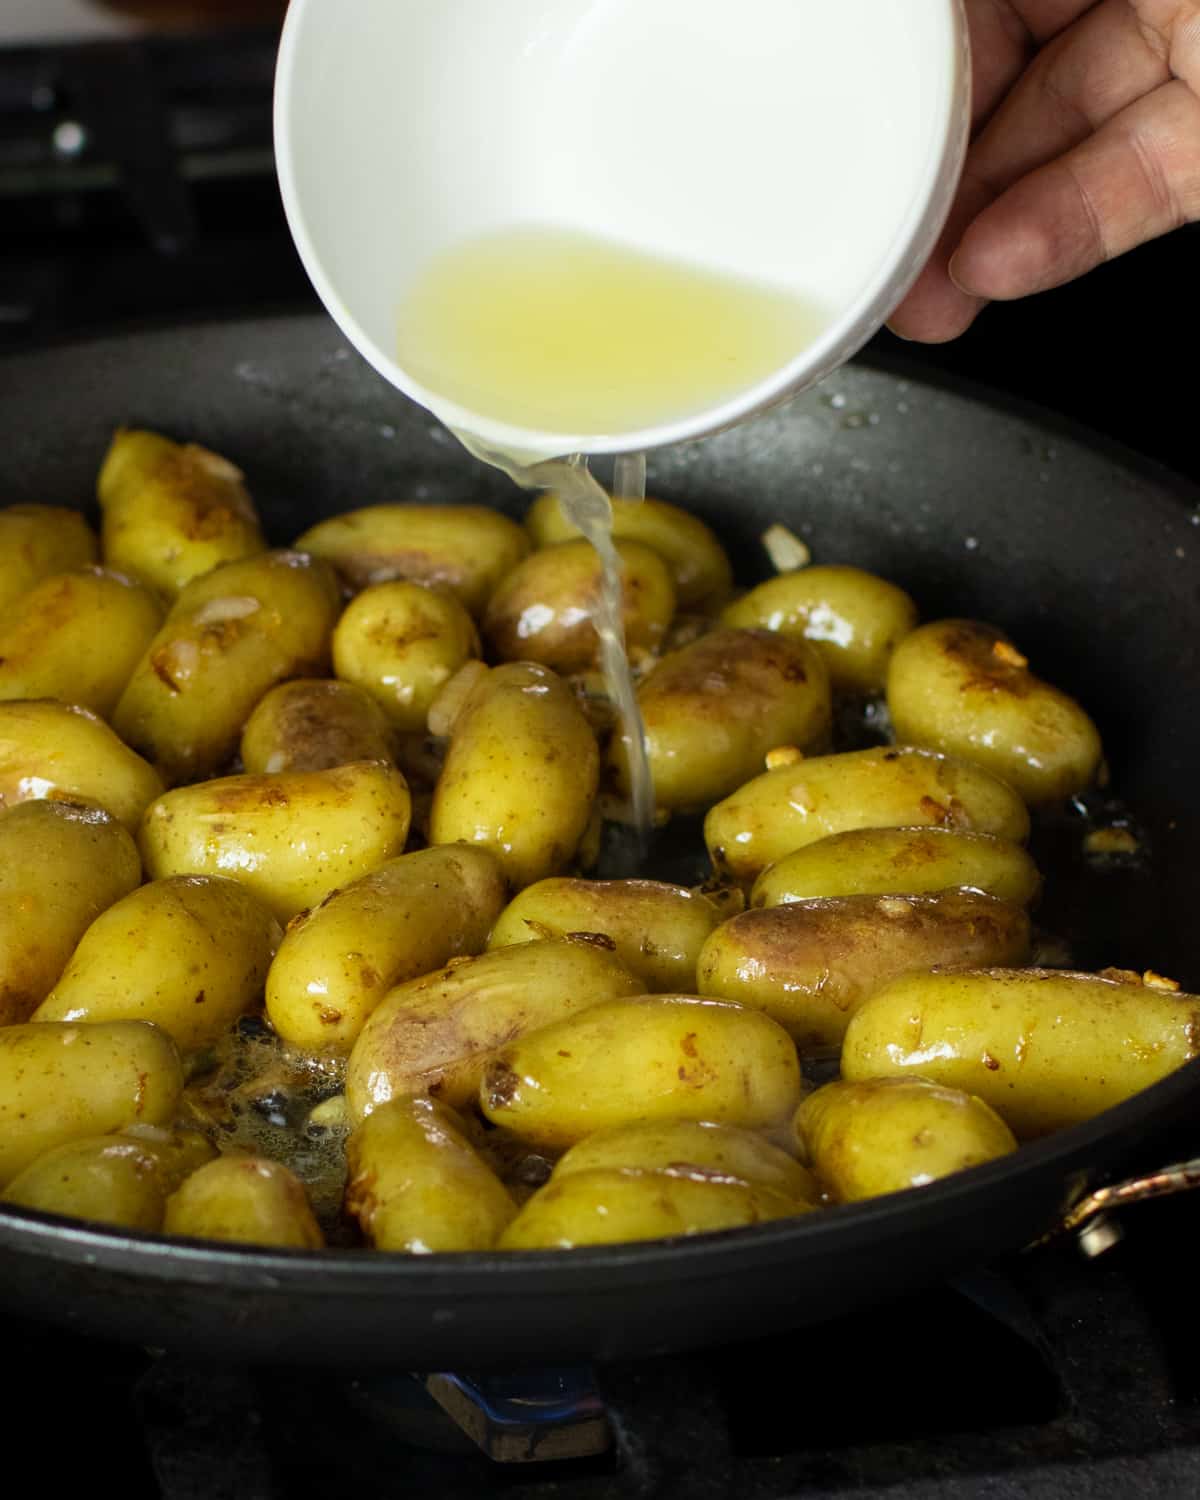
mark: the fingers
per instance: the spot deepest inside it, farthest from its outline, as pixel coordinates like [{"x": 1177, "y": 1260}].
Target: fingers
[{"x": 1136, "y": 178}]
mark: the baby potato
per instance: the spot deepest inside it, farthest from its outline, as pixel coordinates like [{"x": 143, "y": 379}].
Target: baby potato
[
  {"x": 37, "y": 541},
  {"x": 313, "y": 724},
  {"x": 434, "y": 1034},
  {"x": 231, "y": 634},
  {"x": 854, "y": 619},
  {"x": 520, "y": 774},
  {"x": 416, "y": 1184},
  {"x": 714, "y": 708},
  {"x": 76, "y": 637},
  {"x": 657, "y": 929},
  {"x": 290, "y": 839},
  {"x": 614, "y": 1205},
  {"x": 648, "y": 1057},
  {"x": 172, "y": 511},
  {"x": 60, "y": 867},
  {"x": 693, "y": 1147},
  {"x": 1045, "y": 1048},
  {"x": 111, "y": 1179},
  {"x": 190, "y": 953},
  {"x": 410, "y": 916},
  {"x": 888, "y": 1134},
  {"x": 59, "y": 751},
  {"x": 811, "y": 964},
  {"x": 247, "y": 1200},
  {"x": 544, "y": 609},
  {"x": 886, "y": 787},
  {"x": 897, "y": 862},
  {"x": 963, "y": 687},
  {"x": 402, "y": 642},
  {"x": 698, "y": 564},
  {"x": 61, "y": 1082},
  {"x": 464, "y": 548}
]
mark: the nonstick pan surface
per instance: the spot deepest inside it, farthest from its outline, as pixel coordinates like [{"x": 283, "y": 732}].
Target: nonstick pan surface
[{"x": 1086, "y": 555}]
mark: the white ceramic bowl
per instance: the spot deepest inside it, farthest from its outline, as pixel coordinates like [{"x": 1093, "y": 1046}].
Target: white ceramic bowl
[{"x": 813, "y": 145}]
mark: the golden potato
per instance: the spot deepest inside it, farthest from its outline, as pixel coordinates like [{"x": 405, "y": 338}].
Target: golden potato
[
  {"x": 290, "y": 839},
  {"x": 888, "y": 787},
  {"x": 401, "y": 643},
  {"x": 60, "y": 867},
  {"x": 37, "y": 541},
  {"x": 231, "y": 634},
  {"x": 410, "y": 916},
  {"x": 416, "y": 1183},
  {"x": 76, "y": 637},
  {"x": 434, "y": 1034},
  {"x": 658, "y": 929},
  {"x": 1045, "y": 1048},
  {"x": 245, "y": 1199},
  {"x": 111, "y": 1179},
  {"x": 713, "y": 709},
  {"x": 897, "y": 862},
  {"x": 464, "y": 548},
  {"x": 61, "y": 1082},
  {"x": 190, "y": 954},
  {"x": 697, "y": 561},
  {"x": 854, "y": 619},
  {"x": 313, "y": 724},
  {"x": 544, "y": 609},
  {"x": 648, "y": 1057},
  {"x": 963, "y": 687},
  {"x": 888, "y": 1134},
  {"x": 520, "y": 773},
  {"x": 58, "y": 751},
  {"x": 172, "y": 511},
  {"x": 811, "y": 964}
]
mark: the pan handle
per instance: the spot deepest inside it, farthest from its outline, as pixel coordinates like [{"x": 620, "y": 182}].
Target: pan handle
[{"x": 1090, "y": 1217}]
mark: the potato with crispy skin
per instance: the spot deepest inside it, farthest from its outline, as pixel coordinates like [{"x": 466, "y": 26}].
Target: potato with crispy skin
[
  {"x": 313, "y": 724},
  {"x": 247, "y": 1200},
  {"x": 37, "y": 541}
]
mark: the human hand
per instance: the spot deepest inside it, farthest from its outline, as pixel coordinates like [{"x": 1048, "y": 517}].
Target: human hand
[{"x": 1087, "y": 143}]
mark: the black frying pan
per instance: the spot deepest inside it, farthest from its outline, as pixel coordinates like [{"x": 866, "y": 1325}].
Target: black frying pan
[{"x": 1085, "y": 554}]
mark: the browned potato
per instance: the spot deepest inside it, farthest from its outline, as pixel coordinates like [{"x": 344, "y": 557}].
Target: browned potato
[
  {"x": 312, "y": 724},
  {"x": 811, "y": 964},
  {"x": 543, "y": 610},
  {"x": 37, "y": 541},
  {"x": 245, "y": 1199}
]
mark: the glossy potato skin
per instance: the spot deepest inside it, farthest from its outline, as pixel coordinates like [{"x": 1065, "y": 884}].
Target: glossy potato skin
[
  {"x": 890, "y": 1134},
  {"x": 658, "y": 929},
  {"x": 1044, "y": 1047},
  {"x": 402, "y": 642},
  {"x": 900, "y": 861},
  {"x": 76, "y": 637},
  {"x": 62, "y": 1082},
  {"x": 230, "y": 636},
  {"x": 650, "y": 1057},
  {"x": 543, "y": 610},
  {"x": 189, "y": 953},
  {"x": 172, "y": 511},
  {"x": 714, "y": 708},
  {"x": 520, "y": 774},
  {"x": 960, "y": 686},
  {"x": 698, "y": 563},
  {"x": 854, "y": 619},
  {"x": 417, "y": 1185},
  {"x": 37, "y": 541},
  {"x": 313, "y": 724},
  {"x": 60, "y": 867},
  {"x": 887, "y": 787},
  {"x": 434, "y": 1034},
  {"x": 693, "y": 1146},
  {"x": 811, "y": 964},
  {"x": 407, "y": 918},
  {"x": 464, "y": 548},
  {"x": 247, "y": 1200},
  {"x": 61, "y": 751},
  {"x": 290, "y": 839}
]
